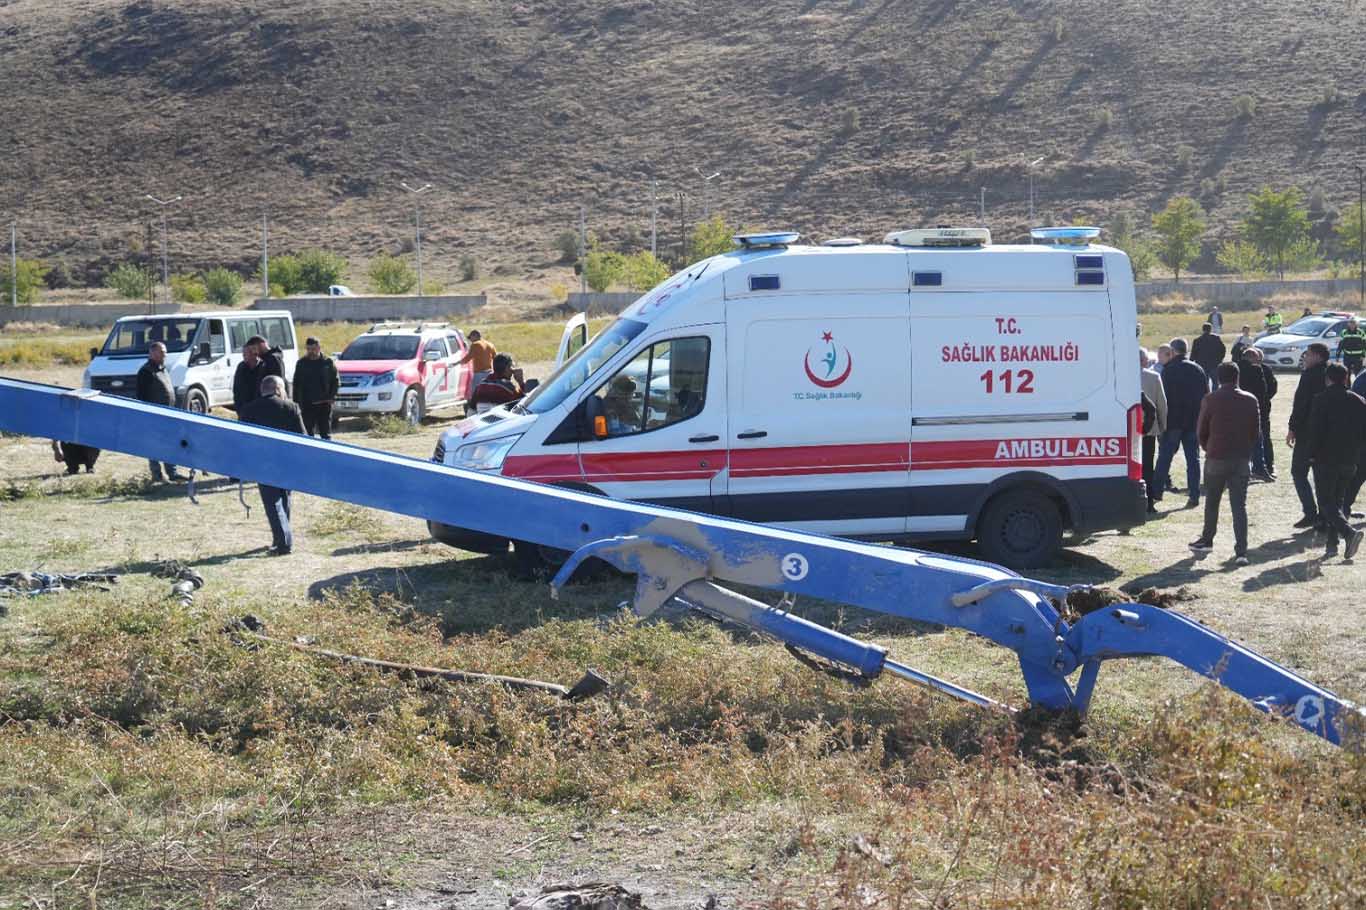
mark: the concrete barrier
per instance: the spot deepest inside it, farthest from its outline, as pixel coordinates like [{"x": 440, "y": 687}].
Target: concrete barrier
[
  {"x": 594, "y": 303},
  {"x": 98, "y": 315},
  {"x": 1227, "y": 292},
  {"x": 369, "y": 309}
]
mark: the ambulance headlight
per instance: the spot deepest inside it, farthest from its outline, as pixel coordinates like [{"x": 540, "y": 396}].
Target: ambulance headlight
[{"x": 485, "y": 456}]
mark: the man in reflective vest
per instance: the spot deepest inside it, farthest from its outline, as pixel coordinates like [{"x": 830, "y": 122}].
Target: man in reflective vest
[
  {"x": 1352, "y": 347},
  {"x": 1271, "y": 325}
]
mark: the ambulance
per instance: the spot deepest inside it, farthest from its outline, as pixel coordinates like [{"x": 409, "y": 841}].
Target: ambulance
[{"x": 930, "y": 387}]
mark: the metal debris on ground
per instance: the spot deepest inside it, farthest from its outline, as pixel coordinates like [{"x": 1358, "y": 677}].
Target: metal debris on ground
[
  {"x": 588, "y": 896},
  {"x": 30, "y": 584}
]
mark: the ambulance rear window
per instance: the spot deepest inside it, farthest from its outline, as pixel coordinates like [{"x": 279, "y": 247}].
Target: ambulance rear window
[
  {"x": 1090, "y": 262},
  {"x": 1090, "y": 277},
  {"x": 927, "y": 279},
  {"x": 764, "y": 283}
]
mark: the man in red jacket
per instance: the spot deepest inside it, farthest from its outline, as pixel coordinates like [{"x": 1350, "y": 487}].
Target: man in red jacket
[{"x": 1228, "y": 427}]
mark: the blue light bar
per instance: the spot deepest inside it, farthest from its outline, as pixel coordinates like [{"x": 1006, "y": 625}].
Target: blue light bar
[
  {"x": 759, "y": 241},
  {"x": 1070, "y": 235}
]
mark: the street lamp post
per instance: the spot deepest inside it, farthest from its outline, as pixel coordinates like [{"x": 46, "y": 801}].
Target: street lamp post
[
  {"x": 1361, "y": 231},
  {"x": 982, "y": 205},
  {"x": 265, "y": 254},
  {"x": 654, "y": 218},
  {"x": 706, "y": 191},
  {"x": 1033, "y": 164},
  {"x": 417, "y": 220},
  {"x": 14, "y": 263},
  {"x": 165, "y": 271}
]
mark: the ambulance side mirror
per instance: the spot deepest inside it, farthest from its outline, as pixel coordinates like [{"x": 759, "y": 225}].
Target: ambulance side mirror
[{"x": 600, "y": 427}]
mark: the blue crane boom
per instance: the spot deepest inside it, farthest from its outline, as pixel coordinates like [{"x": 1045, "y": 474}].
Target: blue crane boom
[{"x": 689, "y": 558}]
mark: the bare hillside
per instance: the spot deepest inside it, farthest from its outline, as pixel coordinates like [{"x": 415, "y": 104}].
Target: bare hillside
[{"x": 826, "y": 116}]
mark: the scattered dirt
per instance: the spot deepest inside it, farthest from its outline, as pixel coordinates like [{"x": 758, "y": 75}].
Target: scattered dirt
[
  {"x": 1089, "y": 600},
  {"x": 588, "y": 896}
]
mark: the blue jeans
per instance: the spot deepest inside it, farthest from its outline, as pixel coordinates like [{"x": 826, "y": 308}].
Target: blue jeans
[
  {"x": 1259, "y": 455},
  {"x": 276, "y": 502},
  {"x": 1189, "y": 443}
]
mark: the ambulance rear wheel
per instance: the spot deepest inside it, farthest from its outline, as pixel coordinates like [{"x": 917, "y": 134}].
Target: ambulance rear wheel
[{"x": 1020, "y": 529}]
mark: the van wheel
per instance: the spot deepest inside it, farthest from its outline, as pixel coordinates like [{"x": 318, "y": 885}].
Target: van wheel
[
  {"x": 1020, "y": 529},
  {"x": 196, "y": 403},
  {"x": 412, "y": 407}
]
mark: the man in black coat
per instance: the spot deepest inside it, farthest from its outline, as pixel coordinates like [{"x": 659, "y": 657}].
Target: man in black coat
[
  {"x": 1208, "y": 351},
  {"x": 1185, "y": 385},
  {"x": 154, "y": 387},
  {"x": 272, "y": 409},
  {"x": 1301, "y": 461},
  {"x": 258, "y": 362},
  {"x": 1335, "y": 434},
  {"x": 316, "y": 384},
  {"x": 1259, "y": 380}
]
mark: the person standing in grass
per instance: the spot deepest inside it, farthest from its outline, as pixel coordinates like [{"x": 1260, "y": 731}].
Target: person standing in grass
[
  {"x": 480, "y": 358},
  {"x": 1151, "y": 385},
  {"x": 271, "y": 409},
  {"x": 316, "y": 384},
  {"x": 1259, "y": 381},
  {"x": 1185, "y": 385},
  {"x": 1352, "y": 347},
  {"x": 1216, "y": 321},
  {"x": 1311, "y": 384},
  {"x": 1208, "y": 350},
  {"x": 1241, "y": 344},
  {"x": 154, "y": 387},
  {"x": 1228, "y": 428},
  {"x": 1336, "y": 433}
]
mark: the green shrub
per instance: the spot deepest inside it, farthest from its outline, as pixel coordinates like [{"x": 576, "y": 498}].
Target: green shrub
[
  {"x": 132, "y": 281},
  {"x": 1278, "y": 224},
  {"x": 1242, "y": 258},
  {"x": 319, "y": 270},
  {"x": 1184, "y": 156},
  {"x": 223, "y": 286},
  {"x": 30, "y": 278},
  {"x": 711, "y": 238},
  {"x": 59, "y": 276},
  {"x": 643, "y": 271},
  {"x": 188, "y": 289},
  {"x": 1179, "y": 227},
  {"x": 850, "y": 121},
  {"x": 469, "y": 268},
  {"x": 286, "y": 273},
  {"x": 602, "y": 269},
  {"x": 568, "y": 244},
  {"x": 391, "y": 275},
  {"x": 1105, "y": 118}
]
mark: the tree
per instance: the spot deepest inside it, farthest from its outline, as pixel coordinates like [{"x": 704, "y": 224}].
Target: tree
[
  {"x": 568, "y": 245},
  {"x": 1179, "y": 227},
  {"x": 469, "y": 267},
  {"x": 602, "y": 269},
  {"x": 286, "y": 274},
  {"x": 223, "y": 286},
  {"x": 1140, "y": 252},
  {"x": 711, "y": 238},
  {"x": 1276, "y": 223},
  {"x": 319, "y": 270},
  {"x": 132, "y": 281},
  {"x": 1241, "y": 258},
  {"x": 1349, "y": 233},
  {"x": 30, "y": 274},
  {"x": 391, "y": 275},
  {"x": 643, "y": 271},
  {"x": 188, "y": 289}
]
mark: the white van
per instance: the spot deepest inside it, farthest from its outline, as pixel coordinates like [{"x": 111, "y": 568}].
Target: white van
[
  {"x": 933, "y": 386},
  {"x": 202, "y": 352}
]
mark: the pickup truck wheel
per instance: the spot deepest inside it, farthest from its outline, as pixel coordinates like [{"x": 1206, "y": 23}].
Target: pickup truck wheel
[
  {"x": 1020, "y": 529},
  {"x": 196, "y": 402},
  {"x": 412, "y": 407}
]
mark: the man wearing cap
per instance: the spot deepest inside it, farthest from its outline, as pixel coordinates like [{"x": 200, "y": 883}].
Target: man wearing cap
[{"x": 315, "y": 388}]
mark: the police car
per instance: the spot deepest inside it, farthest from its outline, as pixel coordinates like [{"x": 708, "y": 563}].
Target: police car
[
  {"x": 932, "y": 386},
  {"x": 404, "y": 369},
  {"x": 1285, "y": 350}
]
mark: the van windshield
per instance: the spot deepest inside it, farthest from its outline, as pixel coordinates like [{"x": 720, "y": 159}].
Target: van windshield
[
  {"x": 577, "y": 369},
  {"x": 382, "y": 347},
  {"x": 133, "y": 336}
]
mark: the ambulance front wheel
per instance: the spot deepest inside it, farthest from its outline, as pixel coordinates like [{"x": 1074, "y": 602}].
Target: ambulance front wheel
[{"x": 1020, "y": 529}]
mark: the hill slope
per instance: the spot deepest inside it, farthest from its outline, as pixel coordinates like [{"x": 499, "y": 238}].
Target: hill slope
[{"x": 848, "y": 116}]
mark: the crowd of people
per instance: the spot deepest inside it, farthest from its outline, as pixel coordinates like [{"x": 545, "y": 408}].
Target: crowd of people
[{"x": 1195, "y": 400}]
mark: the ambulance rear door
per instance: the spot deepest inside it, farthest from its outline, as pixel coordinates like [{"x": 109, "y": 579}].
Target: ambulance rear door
[{"x": 819, "y": 392}]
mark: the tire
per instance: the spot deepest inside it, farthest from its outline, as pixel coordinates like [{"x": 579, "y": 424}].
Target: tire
[
  {"x": 197, "y": 402},
  {"x": 1020, "y": 529},
  {"x": 534, "y": 560},
  {"x": 412, "y": 410}
]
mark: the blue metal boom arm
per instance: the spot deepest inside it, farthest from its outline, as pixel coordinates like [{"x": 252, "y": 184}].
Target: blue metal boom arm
[{"x": 684, "y": 556}]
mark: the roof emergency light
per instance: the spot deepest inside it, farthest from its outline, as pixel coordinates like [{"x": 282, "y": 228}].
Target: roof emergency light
[
  {"x": 940, "y": 237},
  {"x": 766, "y": 240},
  {"x": 1065, "y": 236}
]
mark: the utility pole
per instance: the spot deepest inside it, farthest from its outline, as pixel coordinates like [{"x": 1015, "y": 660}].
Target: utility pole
[
  {"x": 14, "y": 263},
  {"x": 1361, "y": 231},
  {"x": 165, "y": 271},
  {"x": 654, "y": 218},
  {"x": 982, "y": 205},
  {"x": 682, "y": 229},
  {"x": 151, "y": 270},
  {"x": 583, "y": 252},
  {"x": 417, "y": 220},
  {"x": 706, "y": 191},
  {"x": 1033, "y": 164},
  {"x": 265, "y": 254}
]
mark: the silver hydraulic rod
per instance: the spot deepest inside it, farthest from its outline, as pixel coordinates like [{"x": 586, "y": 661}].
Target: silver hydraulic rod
[{"x": 911, "y": 674}]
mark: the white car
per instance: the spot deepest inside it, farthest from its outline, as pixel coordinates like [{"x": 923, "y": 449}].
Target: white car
[
  {"x": 1285, "y": 350},
  {"x": 409, "y": 370}
]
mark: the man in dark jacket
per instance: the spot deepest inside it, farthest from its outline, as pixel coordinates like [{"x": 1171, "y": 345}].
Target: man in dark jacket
[
  {"x": 272, "y": 409},
  {"x": 154, "y": 387},
  {"x": 1354, "y": 488},
  {"x": 1186, "y": 386},
  {"x": 316, "y": 384},
  {"x": 1228, "y": 428},
  {"x": 1259, "y": 381},
  {"x": 1208, "y": 351},
  {"x": 1311, "y": 384},
  {"x": 1335, "y": 435},
  {"x": 258, "y": 362}
]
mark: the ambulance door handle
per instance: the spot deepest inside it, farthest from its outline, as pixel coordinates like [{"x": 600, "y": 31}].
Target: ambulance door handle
[
  {"x": 711, "y": 438},
  {"x": 752, "y": 434}
]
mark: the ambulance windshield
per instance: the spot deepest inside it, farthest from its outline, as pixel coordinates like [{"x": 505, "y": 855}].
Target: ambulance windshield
[{"x": 577, "y": 369}]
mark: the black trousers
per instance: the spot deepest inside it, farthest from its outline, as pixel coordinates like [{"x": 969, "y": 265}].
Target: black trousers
[
  {"x": 1330, "y": 483},
  {"x": 1354, "y": 485},
  {"x": 1268, "y": 450},
  {"x": 317, "y": 419}
]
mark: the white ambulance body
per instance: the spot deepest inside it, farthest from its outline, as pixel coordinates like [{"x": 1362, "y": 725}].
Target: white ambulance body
[{"x": 902, "y": 391}]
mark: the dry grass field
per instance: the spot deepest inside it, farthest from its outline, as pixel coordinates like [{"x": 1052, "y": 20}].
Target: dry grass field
[{"x": 150, "y": 759}]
